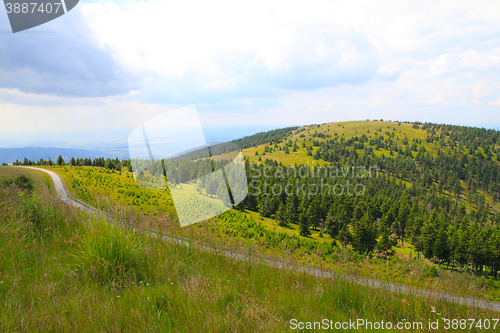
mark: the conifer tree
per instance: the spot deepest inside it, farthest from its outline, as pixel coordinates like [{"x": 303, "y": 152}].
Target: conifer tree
[
  {"x": 280, "y": 215},
  {"x": 364, "y": 237},
  {"x": 304, "y": 225}
]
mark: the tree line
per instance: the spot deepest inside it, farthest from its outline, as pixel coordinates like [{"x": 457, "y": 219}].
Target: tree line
[{"x": 113, "y": 164}]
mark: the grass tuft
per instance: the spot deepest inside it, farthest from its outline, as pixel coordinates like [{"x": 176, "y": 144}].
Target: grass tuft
[{"x": 112, "y": 255}]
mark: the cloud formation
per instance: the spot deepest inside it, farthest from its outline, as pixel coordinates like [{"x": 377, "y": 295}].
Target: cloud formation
[
  {"x": 260, "y": 62},
  {"x": 60, "y": 58}
]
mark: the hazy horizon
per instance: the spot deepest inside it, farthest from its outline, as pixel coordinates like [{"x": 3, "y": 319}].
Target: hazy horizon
[
  {"x": 96, "y": 76},
  {"x": 111, "y": 142}
]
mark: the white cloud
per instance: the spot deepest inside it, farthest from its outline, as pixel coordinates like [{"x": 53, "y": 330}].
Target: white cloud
[
  {"x": 268, "y": 62},
  {"x": 480, "y": 90},
  {"x": 171, "y": 38},
  {"x": 481, "y": 61},
  {"x": 437, "y": 99},
  {"x": 222, "y": 84},
  {"x": 441, "y": 65},
  {"x": 168, "y": 38},
  {"x": 470, "y": 61},
  {"x": 497, "y": 102}
]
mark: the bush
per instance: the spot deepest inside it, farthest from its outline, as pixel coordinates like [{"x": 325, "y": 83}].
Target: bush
[
  {"x": 22, "y": 182},
  {"x": 431, "y": 271}
]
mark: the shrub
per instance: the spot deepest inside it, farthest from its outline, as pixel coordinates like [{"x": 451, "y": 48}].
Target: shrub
[
  {"x": 431, "y": 271},
  {"x": 22, "y": 182}
]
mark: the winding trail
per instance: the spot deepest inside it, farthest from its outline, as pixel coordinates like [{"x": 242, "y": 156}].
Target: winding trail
[{"x": 283, "y": 264}]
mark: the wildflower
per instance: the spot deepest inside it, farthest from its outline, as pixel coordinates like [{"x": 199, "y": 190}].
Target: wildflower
[{"x": 433, "y": 309}]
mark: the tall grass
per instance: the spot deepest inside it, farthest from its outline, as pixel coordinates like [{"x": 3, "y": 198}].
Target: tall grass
[
  {"x": 79, "y": 274},
  {"x": 112, "y": 255}
]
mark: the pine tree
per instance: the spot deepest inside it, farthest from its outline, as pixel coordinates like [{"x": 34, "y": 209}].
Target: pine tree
[
  {"x": 441, "y": 247},
  {"x": 364, "y": 237},
  {"x": 314, "y": 212},
  {"x": 429, "y": 234},
  {"x": 385, "y": 242},
  {"x": 60, "y": 160},
  {"x": 345, "y": 237},
  {"x": 332, "y": 224},
  {"x": 493, "y": 246},
  {"x": 304, "y": 225},
  {"x": 291, "y": 209},
  {"x": 280, "y": 215}
]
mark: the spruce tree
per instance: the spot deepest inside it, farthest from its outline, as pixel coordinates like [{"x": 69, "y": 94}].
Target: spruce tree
[
  {"x": 364, "y": 237},
  {"x": 345, "y": 236},
  {"x": 304, "y": 225},
  {"x": 280, "y": 215}
]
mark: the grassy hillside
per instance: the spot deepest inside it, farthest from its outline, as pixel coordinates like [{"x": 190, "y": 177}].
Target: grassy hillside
[
  {"x": 435, "y": 186},
  {"x": 347, "y": 130},
  {"x": 428, "y": 218},
  {"x": 65, "y": 271},
  {"x": 41, "y": 180},
  {"x": 115, "y": 192}
]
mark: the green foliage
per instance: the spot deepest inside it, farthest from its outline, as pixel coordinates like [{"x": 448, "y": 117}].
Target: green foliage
[
  {"x": 423, "y": 166},
  {"x": 281, "y": 215},
  {"x": 431, "y": 271},
  {"x": 35, "y": 213},
  {"x": 238, "y": 225},
  {"x": 22, "y": 182},
  {"x": 385, "y": 243},
  {"x": 60, "y": 161},
  {"x": 364, "y": 237},
  {"x": 264, "y": 137},
  {"x": 304, "y": 224}
]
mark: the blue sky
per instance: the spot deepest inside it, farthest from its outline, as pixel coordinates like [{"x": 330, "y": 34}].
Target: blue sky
[{"x": 106, "y": 67}]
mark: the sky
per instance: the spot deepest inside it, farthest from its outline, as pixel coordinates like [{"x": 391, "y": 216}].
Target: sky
[{"x": 104, "y": 68}]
